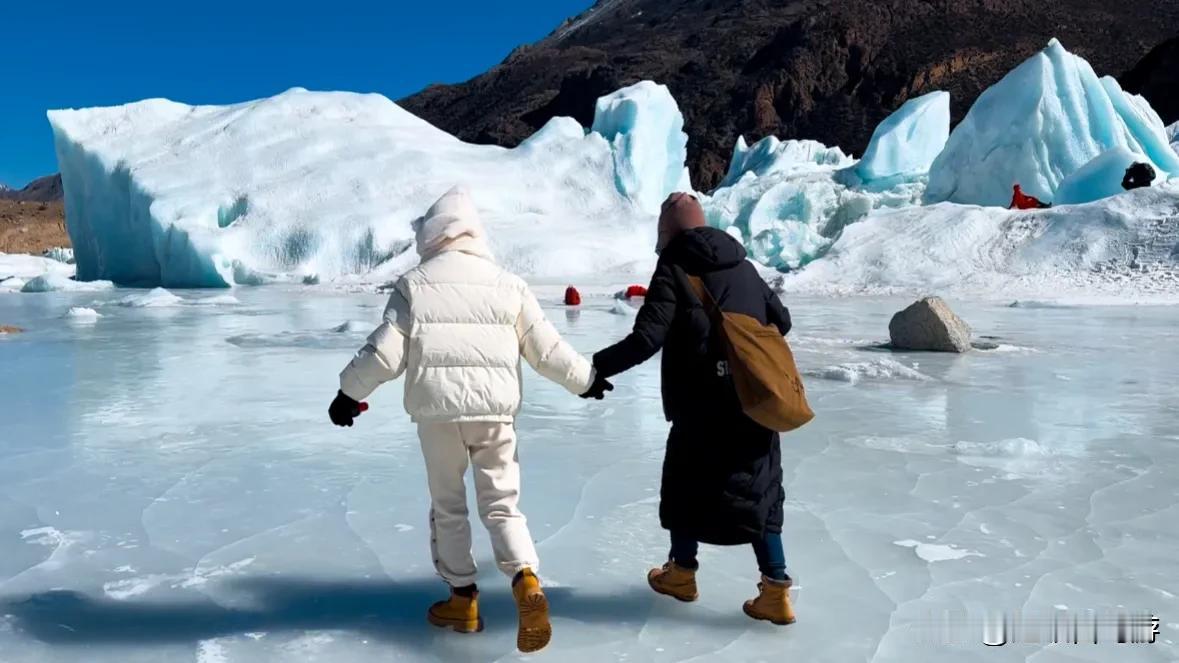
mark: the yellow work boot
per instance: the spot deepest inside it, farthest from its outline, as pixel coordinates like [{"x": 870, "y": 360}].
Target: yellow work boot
[
  {"x": 772, "y": 603},
  {"x": 675, "y": 581},
  {"x": 535, "y": 631},
  {"x": 459, "y": 613}
]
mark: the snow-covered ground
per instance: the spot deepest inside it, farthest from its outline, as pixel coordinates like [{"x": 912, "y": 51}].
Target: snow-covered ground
[{"x": 171, "y": 490}]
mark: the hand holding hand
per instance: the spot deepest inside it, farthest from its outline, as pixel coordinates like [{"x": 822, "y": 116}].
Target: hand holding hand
[
  {"x": 598, "y": 389},
  {"x": 344, "y": 410}
]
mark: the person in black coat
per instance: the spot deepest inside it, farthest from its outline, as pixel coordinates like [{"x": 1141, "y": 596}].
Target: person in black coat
[{"x": 722, "y": 472}]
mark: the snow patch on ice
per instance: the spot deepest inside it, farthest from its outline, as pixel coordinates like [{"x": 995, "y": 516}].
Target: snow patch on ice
[
  {"x": 81, "y": 314},
  {"x": 342, "y": 336},
  {"x": 126, "y": 588},
  {"x": 218, "y": 300},
  {"x": 154, "y": 298},
  {"x": 61, "y": 542},
  {"x": 211, "y": 651},
  {"x": 1018, "y": 458},
  {"x": 877, "y": 369},
  {"x": 62, "y": 283},
  {"x": 936, "y": 552},
  {"x": 26, "y": 267}
]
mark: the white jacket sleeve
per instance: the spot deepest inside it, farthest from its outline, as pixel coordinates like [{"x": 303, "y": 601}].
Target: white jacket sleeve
[
  {"x": 545, "y": 350},
  {"x": 383, "y": 358}
]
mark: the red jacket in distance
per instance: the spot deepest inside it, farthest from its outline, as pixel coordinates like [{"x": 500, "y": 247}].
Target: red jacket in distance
[{"x": 1023, "y": 201}]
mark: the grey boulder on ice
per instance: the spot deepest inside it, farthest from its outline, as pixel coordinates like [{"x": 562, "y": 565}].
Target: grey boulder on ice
[{"x": 929, "y": 324}]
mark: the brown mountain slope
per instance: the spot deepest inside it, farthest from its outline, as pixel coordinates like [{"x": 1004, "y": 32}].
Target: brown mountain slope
[
  {"x": 31, "y": 227},
  {"x": 823, "y": 69},
  {"x": 1157, "y": 79}
]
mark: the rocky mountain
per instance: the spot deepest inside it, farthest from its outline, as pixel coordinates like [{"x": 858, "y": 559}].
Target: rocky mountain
[
  {"x": 1156, "y": 77},
  {"x": 41, "y": 190},
  {"x": 823, "y": 69}
]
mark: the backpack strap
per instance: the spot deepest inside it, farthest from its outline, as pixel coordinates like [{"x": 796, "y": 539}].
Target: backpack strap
[{"x": 703, "y": 294}]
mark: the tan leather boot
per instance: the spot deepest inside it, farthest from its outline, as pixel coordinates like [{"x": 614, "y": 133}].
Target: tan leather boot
[
  {"x": 458, "y": 613},
  {"x": 772, "y": 603},
  {"x": 535, "y": 630},
  {"x": 674, "y": 581}
]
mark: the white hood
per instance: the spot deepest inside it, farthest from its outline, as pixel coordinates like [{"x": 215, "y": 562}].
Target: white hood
[{"x": 451, "y": 224}]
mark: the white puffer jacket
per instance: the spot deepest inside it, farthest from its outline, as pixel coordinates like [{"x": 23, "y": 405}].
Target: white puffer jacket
[{"x": 457, "y": 325}]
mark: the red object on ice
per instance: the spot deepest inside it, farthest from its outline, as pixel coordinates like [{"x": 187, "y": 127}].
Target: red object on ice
[
  {"x": 363, "y": 407},
  {"x": 572, "y": 297},
  {"x": 636, "y": 291},
  {"x": 1021, "y": 200}
]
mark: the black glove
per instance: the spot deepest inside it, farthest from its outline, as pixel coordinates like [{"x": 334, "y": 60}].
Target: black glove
[
  {"x": 598, "y": 389},
  {"x": 343, "y": 410}
]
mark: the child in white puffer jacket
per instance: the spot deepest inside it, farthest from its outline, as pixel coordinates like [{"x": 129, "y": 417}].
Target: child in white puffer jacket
[{"x": 457, "y": 326}]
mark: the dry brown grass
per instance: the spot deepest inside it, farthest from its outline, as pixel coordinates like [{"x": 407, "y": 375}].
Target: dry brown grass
[{"x": 27, "y": 227}]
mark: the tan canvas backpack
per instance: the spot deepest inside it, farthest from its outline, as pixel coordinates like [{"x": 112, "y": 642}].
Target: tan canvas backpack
[{"x": 764, "y": 374}]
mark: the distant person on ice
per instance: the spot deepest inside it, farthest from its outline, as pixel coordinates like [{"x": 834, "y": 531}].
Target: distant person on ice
[
  {"x": 456, "y": 326},
  {"x": 722, "y": 472}
]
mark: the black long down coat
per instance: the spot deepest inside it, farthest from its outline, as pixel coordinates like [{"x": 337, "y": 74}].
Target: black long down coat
[{"x": 722, "y": 472}]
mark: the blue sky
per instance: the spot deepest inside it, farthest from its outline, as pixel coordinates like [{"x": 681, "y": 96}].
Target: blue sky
[{"x": 77, "y": 53}]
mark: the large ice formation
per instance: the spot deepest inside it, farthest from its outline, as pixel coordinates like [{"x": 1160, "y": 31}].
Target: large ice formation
[
  {"x": 770, "y": 155},
  {"x": 788, "y": 200},
  {"x": 326, "y": 184},
  {"x": 1043, "y": 121},
  {"x": 645, "y": 128},
  {"x": 1100, "y": 178},
  {"x": 907, "y": 142}
]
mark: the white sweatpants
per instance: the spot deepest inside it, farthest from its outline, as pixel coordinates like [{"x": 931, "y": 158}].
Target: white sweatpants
[{"x": 491, "y": 448}]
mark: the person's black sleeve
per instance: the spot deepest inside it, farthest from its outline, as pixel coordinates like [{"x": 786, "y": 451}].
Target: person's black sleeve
[
  {"x": 776, "y": 312},
  {"x": 650, "y": 330}
]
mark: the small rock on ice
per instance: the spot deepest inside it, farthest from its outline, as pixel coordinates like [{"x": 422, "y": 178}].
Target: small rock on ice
[
  {"x": 620, "y": 307},
  {"x": 929, "y": 324}
]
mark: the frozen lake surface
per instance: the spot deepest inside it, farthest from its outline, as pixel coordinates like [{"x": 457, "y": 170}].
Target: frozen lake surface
[{"x": 171, "y": 490}]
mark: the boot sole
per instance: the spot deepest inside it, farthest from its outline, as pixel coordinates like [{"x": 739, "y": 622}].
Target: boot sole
[
  {"x": 761, "y": 618},
  {"x": 456, "y": 625},
  {"x": 679, "y": 597},
  {"x": 535, "y": 630}
]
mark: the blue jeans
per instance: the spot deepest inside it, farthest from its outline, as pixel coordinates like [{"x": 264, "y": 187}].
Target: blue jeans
[{"x": 771, "y": 558}]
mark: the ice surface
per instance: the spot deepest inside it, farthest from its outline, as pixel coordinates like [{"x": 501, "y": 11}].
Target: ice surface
[
  {"x": 770, "y": 155},
  {"x": 644, "y": 125},
  {"x": 1043, "y": 121},
  {"x": 167, "y": 496},
  {"x": 318, "y": 185},
  {"x": 1100, "y": 178},
  {"x": 906, "y": 142},
  {"x": 27, "y": 267}
]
